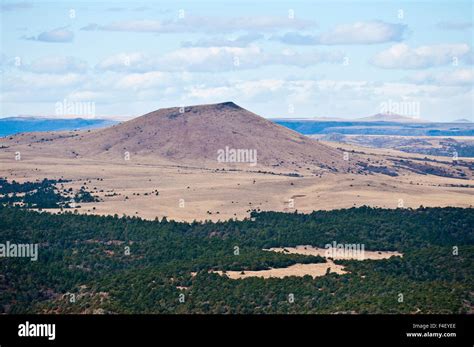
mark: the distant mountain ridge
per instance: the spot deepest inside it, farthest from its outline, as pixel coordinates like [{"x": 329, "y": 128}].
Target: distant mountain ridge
[
  {"x": 391, "y": 117},
  {"x": 379, "y": 117},
  {"x": 15, "y": 125},
  {"x": 379, "y": 124}
]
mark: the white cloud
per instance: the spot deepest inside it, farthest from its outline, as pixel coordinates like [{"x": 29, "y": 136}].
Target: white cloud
[
  {"x": 57, "y": 64},
  {"x": 136, "y": 93},
  {"x": 401, "y": 56},
  {"x": 137, "y": 81},
  {"x": 134, "y": 61},
  {"x": 456, "y": 77},
  {"x": 33, "y": 81},
  {"x": 346, "y": 98},
  {"x": 134, "y": 26},
  {"x": 89, "y": 95},
  {"x": 214, "y": 59},
  {"x": 55, "y": 35},
  {"x": 247, "y": 90},
  {"x": 239, "y": 41},
  {"x": 203, "y": 24},
  {"x": 357, "y": 33}
]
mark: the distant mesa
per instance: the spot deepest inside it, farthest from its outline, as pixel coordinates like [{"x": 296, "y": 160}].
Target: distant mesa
[
  {"x": 312, "y": 119},
  {"x": 462, "y": 120},
  {"x": 330, "y": 119},
  {"x": 379, "y": 117},
  {"x": 390, "y": 117}
]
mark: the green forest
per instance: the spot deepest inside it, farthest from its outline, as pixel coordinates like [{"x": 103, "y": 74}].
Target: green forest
[{"x": 119, "y": 264}]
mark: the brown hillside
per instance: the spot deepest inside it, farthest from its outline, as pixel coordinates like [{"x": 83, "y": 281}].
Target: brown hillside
[{"x": 195, "y": 136}]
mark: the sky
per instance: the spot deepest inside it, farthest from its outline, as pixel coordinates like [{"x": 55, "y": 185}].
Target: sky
[{"x": 279, "y": 59}]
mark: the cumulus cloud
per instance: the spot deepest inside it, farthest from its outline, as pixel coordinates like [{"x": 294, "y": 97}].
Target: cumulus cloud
[
  {"x": 57, "y": 64},
  {"x": 33, "y": 81},
  {"x": 88, "y": 95},
  {"x": 133, "y": 26},
  {"x": 309, "y": 96},
  {"x": 203, "y": 24},
  {"x": 456, "y": 77},
  {"x": 214, "y": 59},
  {"x": 137, "y": 81},
  {"x": 401, "y": 56},
  {"x": 357, "y": 33},
  {"x": 134, "y": 62},
  {"x": 334, "y": 97},
  {"x": 55, "y": 35},
  {"x": 253, "y": 90},
  {"x": 239, "y": 41}
]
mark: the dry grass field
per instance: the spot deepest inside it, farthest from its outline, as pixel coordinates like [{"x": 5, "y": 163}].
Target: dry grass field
[
  {"x": 313, "y": 270},
  {"x": 189, "y": 193},
  {"x": 164, "y": 164}
]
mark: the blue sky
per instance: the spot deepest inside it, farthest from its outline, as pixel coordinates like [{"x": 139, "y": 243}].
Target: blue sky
[{"x": 276, "y": 58}]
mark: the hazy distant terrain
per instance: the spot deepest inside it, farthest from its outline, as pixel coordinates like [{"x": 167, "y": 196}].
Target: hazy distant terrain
[
  {"x": 312, "y": 127},
  {"x": 461, "y": 146},
  {"x": 14, "y": 125},
  {"x": 408, "y": 135}
]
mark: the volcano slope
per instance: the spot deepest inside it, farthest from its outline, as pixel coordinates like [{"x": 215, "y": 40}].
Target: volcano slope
[{"x": 221, "y": 161}]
